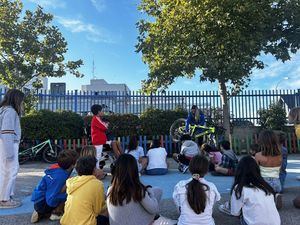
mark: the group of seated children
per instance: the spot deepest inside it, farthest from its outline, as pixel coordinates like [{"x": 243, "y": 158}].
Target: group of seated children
[
  {"x": 81, "y": 199},
  {"x": 154, "y": 162}
]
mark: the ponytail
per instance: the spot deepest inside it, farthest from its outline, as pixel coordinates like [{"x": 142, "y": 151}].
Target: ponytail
[{"x": 196, "y": 195}]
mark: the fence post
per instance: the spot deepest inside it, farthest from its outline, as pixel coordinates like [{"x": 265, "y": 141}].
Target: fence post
[{"x": 75, "y": 100}]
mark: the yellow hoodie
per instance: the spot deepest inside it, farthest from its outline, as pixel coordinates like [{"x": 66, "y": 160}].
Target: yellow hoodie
[{"x": 85, "y": 201}]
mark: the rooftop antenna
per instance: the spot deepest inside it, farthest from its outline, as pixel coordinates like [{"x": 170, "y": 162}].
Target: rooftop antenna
[{"x": 93, "y": 69}]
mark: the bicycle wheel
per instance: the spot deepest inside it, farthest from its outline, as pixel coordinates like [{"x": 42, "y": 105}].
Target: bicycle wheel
[
  {"x": 177, "y": 129},
  {"x": 50, "y": 155}
]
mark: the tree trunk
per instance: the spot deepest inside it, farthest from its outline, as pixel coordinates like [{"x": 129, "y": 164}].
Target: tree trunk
[{"x": 225, "y": 107}]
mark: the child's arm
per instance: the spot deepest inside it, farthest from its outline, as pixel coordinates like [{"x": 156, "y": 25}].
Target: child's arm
[
  {"x": 149, "y": 202},
  {"x": 236, "y": 205},
  {"x": 176, "y": 197}
]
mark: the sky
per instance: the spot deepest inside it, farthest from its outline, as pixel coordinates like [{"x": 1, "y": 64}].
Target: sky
[{"x": 105, "y": 31}]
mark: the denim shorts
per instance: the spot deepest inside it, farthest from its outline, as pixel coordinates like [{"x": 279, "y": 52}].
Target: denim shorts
[{"x": 274, "y": 183}]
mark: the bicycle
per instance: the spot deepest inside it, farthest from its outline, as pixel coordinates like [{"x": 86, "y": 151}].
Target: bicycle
[
  {"x": 177, "y": 129},
  {"x": 48, "y": 151}
]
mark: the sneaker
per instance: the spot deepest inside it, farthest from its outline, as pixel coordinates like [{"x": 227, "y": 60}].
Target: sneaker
[
  {"x": 278, "y": 201},
  {"x": 225, "y": 208},
  {"x": 180, "y": 168},
  {"x": 34, "y": 217},
  {"x": 185, "y": 168},
  {"x": 54, "y": 217},
  {"x": 10, "y": 204}
]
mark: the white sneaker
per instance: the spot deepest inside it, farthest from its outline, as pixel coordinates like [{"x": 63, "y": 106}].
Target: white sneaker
[
  {"x": 54, "y": 217},
  {"x": 185, "y": 168},
  {"x": 34, "y": 217},
  {"x": 225, "y": 208},
  {"x": 164, "y": 221},
  {"x": 10, "y": 204}
]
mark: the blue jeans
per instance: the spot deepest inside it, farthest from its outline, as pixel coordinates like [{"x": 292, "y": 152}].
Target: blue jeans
[
  {"x": 274, "y": 183},
  {"x": 157, "y": 171}
]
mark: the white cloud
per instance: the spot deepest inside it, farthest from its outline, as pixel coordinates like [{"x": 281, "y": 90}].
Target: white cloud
[
  {"x": 49, "y": 3},
  {"x": 99, "y": 5},
  {"x": 92, "y": 32},
  {"x": 277, "y": 69}
]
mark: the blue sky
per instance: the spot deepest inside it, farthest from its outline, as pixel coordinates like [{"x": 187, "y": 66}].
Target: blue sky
[{"x": 105, "y": 30}]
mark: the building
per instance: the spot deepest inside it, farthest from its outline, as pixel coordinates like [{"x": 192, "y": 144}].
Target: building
[
  {"x": 58, "y": 88},
  {"x": 100, "y": 85}
]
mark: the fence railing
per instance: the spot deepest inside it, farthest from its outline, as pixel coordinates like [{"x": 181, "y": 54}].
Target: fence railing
[
  {"x": 243, "y": 107},
  {"x": 241, "y": 145}
]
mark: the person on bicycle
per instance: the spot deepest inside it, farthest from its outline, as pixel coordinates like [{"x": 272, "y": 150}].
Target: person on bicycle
[{"x": 195, "y": 117}]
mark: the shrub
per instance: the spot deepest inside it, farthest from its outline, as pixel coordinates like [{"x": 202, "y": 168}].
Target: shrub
[
  {"x": 119, "y": 125},
  {"x": 273, "y": 118},
  {"x": 44, "y": 124},
  {"x": 158, "y": 122}
]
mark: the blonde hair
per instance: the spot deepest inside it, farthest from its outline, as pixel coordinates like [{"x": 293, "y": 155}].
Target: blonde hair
[
  {"x": 294, "y": 115},
  {"x": 88, "y": 150}
]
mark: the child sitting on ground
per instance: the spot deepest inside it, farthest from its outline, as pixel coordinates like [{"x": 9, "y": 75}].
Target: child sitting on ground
[
  {"x": 50, "y": 192},
  {"x": 214, "y": 155},
  {"x": 157, "y": 159},
  {"x": 252, "y": 198},
  {"x": 188, "y": 150},
  {"x": 269, "y": 160},
  {"x": 137, "y": 152},
  {"x": 129, "y": 202},
  {"x": 90, "y": 150},
  {"x": 196, "y": 197},
  {"x": 86, "y": 198},
  {"x": 229, "y": 161}
]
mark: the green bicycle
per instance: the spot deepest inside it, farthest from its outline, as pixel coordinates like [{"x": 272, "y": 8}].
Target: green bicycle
[
  {"x": 177, "y": 129},
  {"x": 48, "y": 152}
]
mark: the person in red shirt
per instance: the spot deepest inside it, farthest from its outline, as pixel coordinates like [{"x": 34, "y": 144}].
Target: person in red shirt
[{"x": 98, "y": 131}]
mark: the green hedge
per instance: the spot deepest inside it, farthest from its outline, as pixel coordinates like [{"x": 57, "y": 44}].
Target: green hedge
[
  {"x": 45, "y": 124},
  {"x": 120, "y": 125},
  {"x": 158, "y": 122}
]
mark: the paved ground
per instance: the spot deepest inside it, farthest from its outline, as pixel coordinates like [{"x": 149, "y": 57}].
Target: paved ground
[{"x": 31, "y": 173}]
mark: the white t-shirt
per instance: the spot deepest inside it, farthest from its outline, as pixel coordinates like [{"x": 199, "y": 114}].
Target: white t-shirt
[
  {"x": 257, "y": 207},
  {"x": 157, "y": 158},
  {"x": 187, "y": 214},
  {"x": 137, "y": 153}
]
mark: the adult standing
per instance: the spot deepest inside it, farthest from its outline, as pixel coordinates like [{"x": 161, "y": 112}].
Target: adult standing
[
  {"x": 10, "y": 135},
  {"x": 294, "y": 117}
]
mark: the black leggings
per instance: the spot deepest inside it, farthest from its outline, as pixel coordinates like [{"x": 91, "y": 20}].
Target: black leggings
[{"x": 182, "y": 159}]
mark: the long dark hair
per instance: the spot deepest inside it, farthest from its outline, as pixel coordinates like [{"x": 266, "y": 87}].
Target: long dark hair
[
  {"x": 133, "y": 144},
  {"x": 248, "y": 175},
  {"x": 196, "y": 195},
  {"x": 13, "y": 98},
  {"x": 269, "y": 144},
  {"x": 125, "y": 184}
]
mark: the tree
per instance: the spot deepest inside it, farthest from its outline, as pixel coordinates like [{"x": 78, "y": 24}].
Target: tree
[
  {"x": 219, "y": 38},
  {"x": 273, "y": 118},
  {"x": 31, "y": 48}
]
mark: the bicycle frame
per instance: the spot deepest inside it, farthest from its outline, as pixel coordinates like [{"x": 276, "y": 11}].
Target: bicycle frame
[
  {"x": 192, "y": 128},
  {"x": 33, "y": 151}
]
